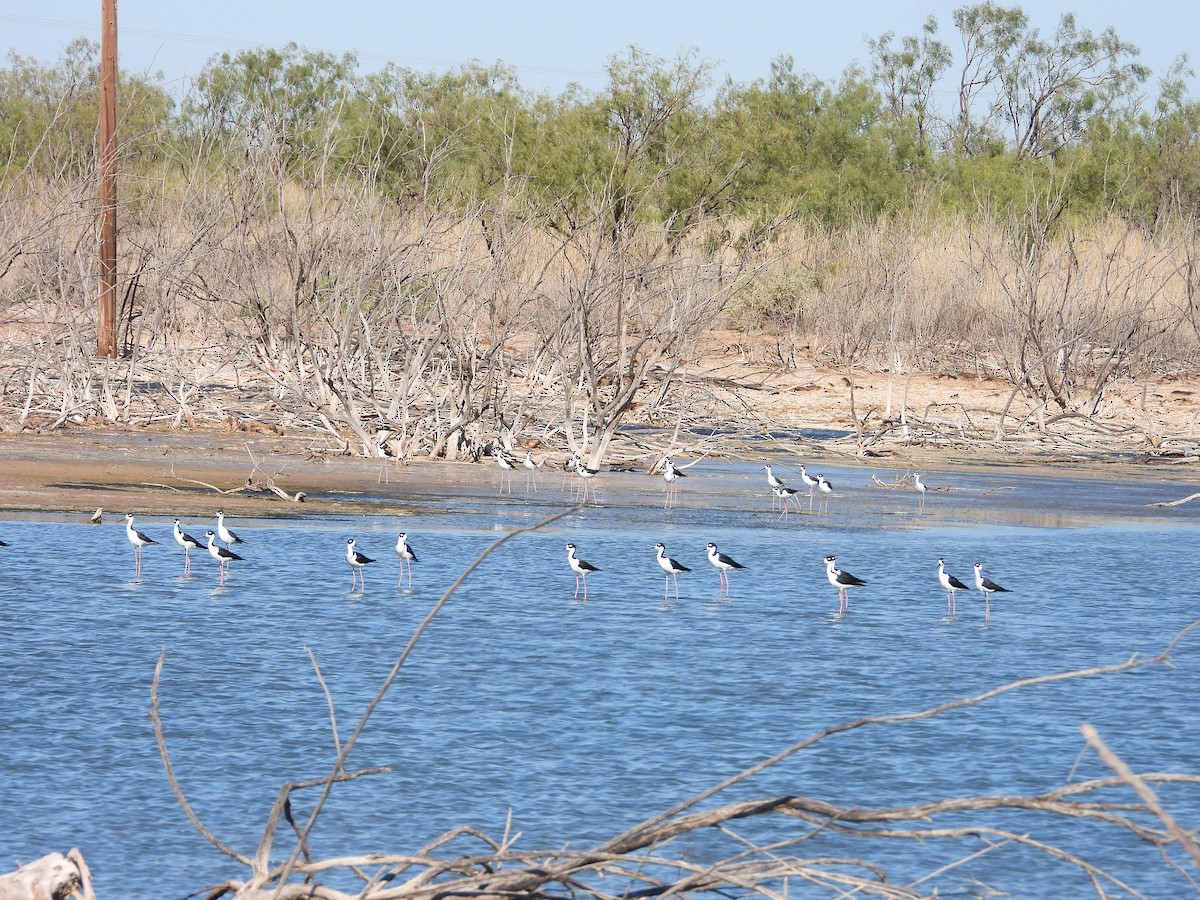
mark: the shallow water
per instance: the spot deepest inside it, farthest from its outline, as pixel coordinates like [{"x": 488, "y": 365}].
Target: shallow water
[{"x": 584, "y": 718}]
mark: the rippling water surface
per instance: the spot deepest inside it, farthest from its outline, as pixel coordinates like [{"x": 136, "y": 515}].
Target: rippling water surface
[{"x": 580, "y": 719}]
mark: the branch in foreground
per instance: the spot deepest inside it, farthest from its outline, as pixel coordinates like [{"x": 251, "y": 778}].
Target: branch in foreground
[{"x": 636, "y": 862}]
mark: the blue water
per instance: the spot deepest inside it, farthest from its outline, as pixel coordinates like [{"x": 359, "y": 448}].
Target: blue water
[{"x": 581, "y": 719}]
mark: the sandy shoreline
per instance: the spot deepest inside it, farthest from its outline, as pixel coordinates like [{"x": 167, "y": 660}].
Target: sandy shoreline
[{"x": 193, "y": 473}]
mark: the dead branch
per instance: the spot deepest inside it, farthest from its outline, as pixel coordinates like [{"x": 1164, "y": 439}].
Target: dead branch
[
  {"x": 53, "y": 877},
  {"x": 441, "y": 868},
  {"x": 1164, "y": 503}
]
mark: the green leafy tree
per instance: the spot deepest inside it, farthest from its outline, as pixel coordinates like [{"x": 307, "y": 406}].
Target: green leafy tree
[
  {"x": 907, "y": 75},
  {"x": 48, "y": 114},
  {"x": 285, "y": 102}
]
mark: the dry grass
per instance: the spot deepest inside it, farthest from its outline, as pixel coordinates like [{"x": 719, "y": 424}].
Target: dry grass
[{"x": 339, "y": 311}]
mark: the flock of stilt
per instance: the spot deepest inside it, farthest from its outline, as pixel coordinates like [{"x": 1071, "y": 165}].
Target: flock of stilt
[
  {"x": 783, "y": 497},
  {"x": 818, "y": 485}
]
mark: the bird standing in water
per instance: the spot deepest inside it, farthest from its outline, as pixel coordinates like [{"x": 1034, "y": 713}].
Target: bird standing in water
[
  {"x": 843, "y": 581},
  {"x": 987, "y": 587},
  {"x": 138, "y": 540},
  {"x": 723, "y": 565},
  {"x": 406, "y": 554},
  {"x": 358, "y": 561},
  {"x": 581, "y": 568},
  {"x": 223, "y": 555},
  {"x": 951, "y": 586},
  {"x": 671, "y": 567}
]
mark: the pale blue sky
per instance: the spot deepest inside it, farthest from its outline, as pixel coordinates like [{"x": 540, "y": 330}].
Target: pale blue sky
[{"x": 551, "y": 44}]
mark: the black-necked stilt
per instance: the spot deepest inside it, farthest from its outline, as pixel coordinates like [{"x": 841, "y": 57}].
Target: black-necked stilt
[
  {"x": 671, "y": 475},
  {"x": 506, "y": 468},
  {"x": 920, "y": 486},
  {"x": 987, "y": 587},
  {"x": 774, "y": 483},
  {"x": 406, "y": 554},
  {"x": 358, "y": 562},
  {"x": 808, "y": 480},
  {"x": 671, "y": 567},
  {"x": 223, "y": 555},
  {"x": 228, "y": 538},
  {"x": 586, "y": 475},
  {"x": 569, "y": 469},
  {"x": 826, "y": 488},
  {"x": 138, "y": 540},
  {"x": 531, "y": 466},
  {"x": 951, "y": 586},
  {"x": 843, "y": 581},
  {"x": 188, "y": 543},
  {"x": 723, "y": 564},
  {"x": 580, "y": 568},
  {"x": 784, "y": 493}
]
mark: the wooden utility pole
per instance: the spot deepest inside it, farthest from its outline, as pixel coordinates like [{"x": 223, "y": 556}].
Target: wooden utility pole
[{"x": 106, "y": 341}]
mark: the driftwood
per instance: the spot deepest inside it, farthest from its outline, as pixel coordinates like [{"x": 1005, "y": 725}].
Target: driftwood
[
  {"x": 465, "y": 862},
  {"x": 53, "y": 877},
  {"x": 1186, "y": 499}
]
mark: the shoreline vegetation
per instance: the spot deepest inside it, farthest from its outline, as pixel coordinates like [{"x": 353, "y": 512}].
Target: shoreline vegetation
[
  {"x": 423, "y": 265},
  {"x": 358, "y": 282}
]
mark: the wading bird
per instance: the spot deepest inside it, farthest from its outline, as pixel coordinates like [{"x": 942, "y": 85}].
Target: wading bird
[
  {"x": 843, "y": 581},
  {"x": 531, "y": 468},
  {"x": 406, "y": 554},
  {"x": 671, "y": 567},
  {"x": 951, "y": 585},
  {"x": 138, "y": 540},
  {"x": 723, "y": 564},
  {"x": 922, "y": 489},
  {"x": 223, "y": 555},
  {"x": 188, "y": 543},
  {"x": 987, "y": 587},
  {"x": 358, "y": 562},
  {"x": 581, "y": 568},
  {"x": 784, "y": 493},
  {"x": 228, "y": 538},
  {"x": 671, "y": 475},
  {"x": 506, "y": 468}
]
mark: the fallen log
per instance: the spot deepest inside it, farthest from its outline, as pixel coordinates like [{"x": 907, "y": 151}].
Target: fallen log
[{"x": 53, "y": 877}]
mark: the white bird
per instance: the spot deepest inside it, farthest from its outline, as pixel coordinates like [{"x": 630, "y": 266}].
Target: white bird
[
  {"x": 987, "y": 587},
  {"x": 843, "y": 581},
  {"x": 581, "y": 568},
  {"x": 223, "y": 555},
  {"x": 188, "y": 543},
  {"x": 569, "y": 467},
  {"x": 406, "y": 553},
  {"x": 671, "y": 567},
  {"x": 228, "y": 538},
  {"x": 951, "y": 586},
  {"x": 671, "y": 475},
  {"x": 920, "y": 486},
  {"x": 506, "y": 468},
  {"x": 775, "y": 485},
  {"x": 586, "y": 475},
  {"x": 784, "y": 493},
  {"x": 808, "y": 480},
  {"x": 97, "y": 516},
  {"x": 357, "y": 561},
  {"x": 826, "y": 488},
  {"x": 531, "y": 468},
  {"x": 723, "y": 565},
  {"x": 138, "y": 540}
]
